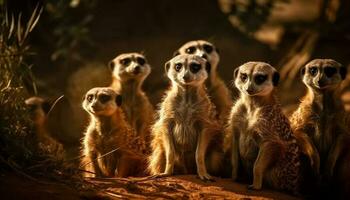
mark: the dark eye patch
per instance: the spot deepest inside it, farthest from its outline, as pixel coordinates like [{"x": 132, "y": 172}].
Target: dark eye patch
[
  {"x": 89, "y": 97},
  {"x": 243, "y": 77},
  {"x": 313, "y": 71},
  {"x": 260, "y": 78},
  {"x": 141, "y": 60},
  {"x": 330, "y": 71},
  {"x": 125, "y": 61},
  {"x": 190, "y": 50},
  {"x": 178, "y": 67},
  {"x": 195, "y": 67},
  {"x": 208, "y": 48},
  {"x": 103, "y": 98}
]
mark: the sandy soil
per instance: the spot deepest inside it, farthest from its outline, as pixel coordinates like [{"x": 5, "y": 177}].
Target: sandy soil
[{"x": 177, "y": 187}]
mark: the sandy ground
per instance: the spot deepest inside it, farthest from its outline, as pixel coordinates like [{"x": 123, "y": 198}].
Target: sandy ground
[{"x": 177, "y": 187}]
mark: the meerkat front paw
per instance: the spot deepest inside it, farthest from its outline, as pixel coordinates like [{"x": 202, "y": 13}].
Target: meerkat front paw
[
  {"x": 205, "y": 177},
  {"x": 252, "y": 187}
]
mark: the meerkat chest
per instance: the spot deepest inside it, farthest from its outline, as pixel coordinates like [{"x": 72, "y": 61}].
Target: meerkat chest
[
  {"x": 323, "y": 130},
  {"x": 249, "y": 137},
  {"x": 186, "y": 125}
]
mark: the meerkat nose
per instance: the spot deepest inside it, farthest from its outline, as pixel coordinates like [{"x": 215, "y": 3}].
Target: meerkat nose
[
  {"x": 137, "y": 69},
  {"x": 186, "y": 77}
]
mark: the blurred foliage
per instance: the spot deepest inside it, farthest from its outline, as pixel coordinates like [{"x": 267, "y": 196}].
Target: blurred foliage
[
  {"x": 19, "y": 150},
  {"x": 15, "y": 126},
  {"x": 66, "y": 27},
  {"x": 250, "y": 15}
]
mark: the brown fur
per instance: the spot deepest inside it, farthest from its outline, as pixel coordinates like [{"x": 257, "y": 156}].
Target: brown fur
[
  {"x": 137, "y": 107},
  {"x": 110, "y": 147},
  {"x": 219, "y": 94},
  {"x": 321, "y": 116},
  {"x": 39, "y": 109},
  {"x": 258, "y": 134},
  {"x": 186, "y": 137}
]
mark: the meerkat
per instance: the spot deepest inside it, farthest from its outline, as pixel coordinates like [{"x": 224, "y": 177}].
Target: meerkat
[
  {"x": 320, "y": 115},
  {"x": 38, "y": 110},
  {"x": 129, "y": 71},
  {"x": 217, "y": 90},
  {"x": 258, "y": 135},
  {"x": 187, "y": 135},
  {"x": 110, "y": 147}
]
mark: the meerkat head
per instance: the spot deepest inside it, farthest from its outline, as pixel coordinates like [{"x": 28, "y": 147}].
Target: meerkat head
[
  {"x": 323, "y": 74},
  {"x": 202, "y": 49},
  {"x": 187, "y": 70},
  {"x": 101, "y": 101},
  {"x": 130, "y": 66},
  {"x": 38, "y": 109},
  {"x": 256, "y": 78}
]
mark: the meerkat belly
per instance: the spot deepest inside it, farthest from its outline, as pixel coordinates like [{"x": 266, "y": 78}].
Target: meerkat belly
[
  {"x": 186, "y": 129},
  {"x": 248, "y": 149}
]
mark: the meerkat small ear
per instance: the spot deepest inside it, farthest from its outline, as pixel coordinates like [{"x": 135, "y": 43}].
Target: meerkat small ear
[
  {"x": 111, "y": 65},
  {"x": 119, "y": 100},
  {"x": 167, "y": 66},
  {"x": 235, "y": 73},
  {"x": 302, "y": 71},
  {"x": 176, "y": 53},
  {"x": 208, "y": 67},
  {"x": 46, "y": 107},
  {"x": 275, "y": 78},
  {"x": 343, "y": 71},
  {"x": 217, "y": 50}
]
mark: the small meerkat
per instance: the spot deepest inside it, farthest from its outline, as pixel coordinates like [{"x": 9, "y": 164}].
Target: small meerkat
[
  {"x": 258, "y": 135},
  {"x": 110, "y": 147},
  {"x": 320, "y": 115},
  {"x": 217, "y": 90},
  {"x": 187, "y": 136},
  {"x": 38, "y": 109},
  {"x": 129, "y": 71}
]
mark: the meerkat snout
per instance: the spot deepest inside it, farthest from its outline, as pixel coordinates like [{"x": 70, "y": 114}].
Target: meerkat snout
[
  {"x": 256, "y": 78},
  {"x": 187, "y": 69},
  {"x": 102, "y": 101},
  {"x": 323, "y": 74},
  {"x": 201, "y": 48},
  {"x": 130, "y": 66}
]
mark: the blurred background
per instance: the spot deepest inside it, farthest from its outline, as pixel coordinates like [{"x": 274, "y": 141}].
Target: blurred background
[{"x": 75, "y": 39}]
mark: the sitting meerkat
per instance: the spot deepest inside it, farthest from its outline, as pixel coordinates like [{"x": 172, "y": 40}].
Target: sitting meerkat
[
  {"x": 186, "y": 136},
  {"x": 321, "y": 115},
  {"x": 110, "y": 147},
  {"x": 129, "y": 71},
  {"x": 258, "y": 135},
  {"x": 38, "y": 110},
  {"x": 217, "y": 90}
]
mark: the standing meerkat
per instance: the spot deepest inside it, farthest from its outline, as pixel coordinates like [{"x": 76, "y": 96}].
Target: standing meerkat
[
  {"x": 187, "y": 136},
  {"x": 110, "y": 147},
  {"x": 129, "y": 71},
  {"x": 217, "y": 90},
  {"x": 39, "y": 109},
  {"x": 321, "y": 115},
  {"x": 258, "y": 135}
]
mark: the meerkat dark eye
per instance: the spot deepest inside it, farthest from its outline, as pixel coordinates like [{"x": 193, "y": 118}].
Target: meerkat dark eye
[
  {"x": 178, "y": 67},
  {"x": 208, "y": 48},
  {"x": 313, "y": 71},
  {"x": 103, "y": 98},
  {"x": 330, "y": 71},
  {"x": 141, "y": 60},
  {"x": 259, "y": 79},
  {"x": 191, "y": 50},
  {"x": 243, "y": 77},
  {"x": 89, "y": 97},
  {"x": 195, "y": 67},
  {"x": 125, "y": 61}
]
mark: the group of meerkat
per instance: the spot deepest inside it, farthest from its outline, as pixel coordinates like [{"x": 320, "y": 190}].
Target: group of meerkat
[{"x": 198, "y": 127}]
